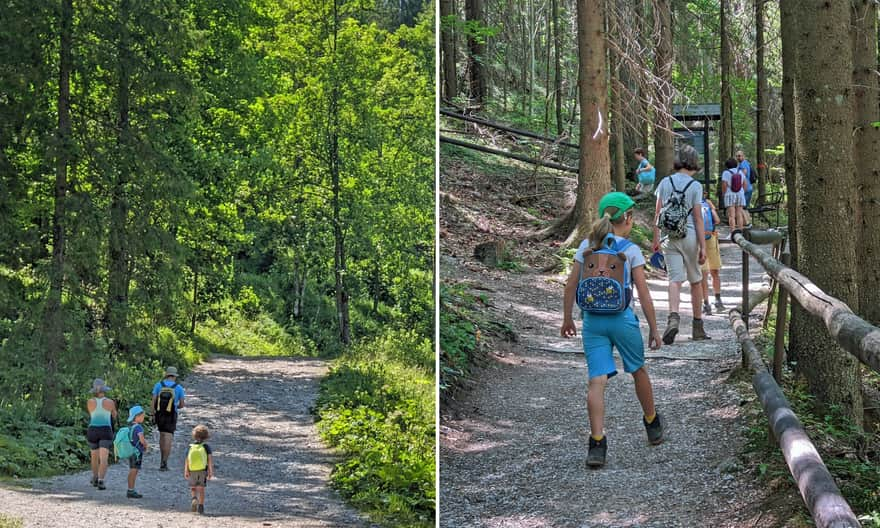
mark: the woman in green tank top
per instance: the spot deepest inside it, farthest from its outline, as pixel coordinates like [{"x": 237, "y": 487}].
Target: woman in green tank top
[{"x": 100, "y": 432}]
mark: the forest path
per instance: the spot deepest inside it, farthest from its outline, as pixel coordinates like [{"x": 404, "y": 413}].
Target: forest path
[
  {"x": 513, "y": 448},
  {"x": 271, "y": 467}
]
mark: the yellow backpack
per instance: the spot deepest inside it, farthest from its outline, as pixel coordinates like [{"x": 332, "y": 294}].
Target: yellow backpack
[{"x": 197, "y": 457}]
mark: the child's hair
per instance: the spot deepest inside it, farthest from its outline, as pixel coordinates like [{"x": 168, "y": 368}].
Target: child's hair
[
  {"x": 640, "y": 151},
  {"x": 730, "y": 163},
  {"x": 686, "y": 158},
  {"x": 603, "y": 226},
  {"x": 200, "y": 433}
]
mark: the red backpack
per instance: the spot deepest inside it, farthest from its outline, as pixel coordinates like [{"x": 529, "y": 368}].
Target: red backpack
[{"x": 736, "y": 181}]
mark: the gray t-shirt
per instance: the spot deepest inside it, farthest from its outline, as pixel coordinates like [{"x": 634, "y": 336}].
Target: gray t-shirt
[{"x": 692, "y": 197}]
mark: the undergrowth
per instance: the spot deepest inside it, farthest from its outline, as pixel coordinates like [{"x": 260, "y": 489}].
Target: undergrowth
[{"x": 377, "y": 408}]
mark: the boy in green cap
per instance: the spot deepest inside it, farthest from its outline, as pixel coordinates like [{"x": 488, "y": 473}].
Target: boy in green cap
[{"x": 620, "y": 329}]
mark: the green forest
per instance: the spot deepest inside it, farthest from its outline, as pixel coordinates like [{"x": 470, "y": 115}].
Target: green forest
[
  {"x": 249, "y": 177},
  {"x": 580, "y": 85}
]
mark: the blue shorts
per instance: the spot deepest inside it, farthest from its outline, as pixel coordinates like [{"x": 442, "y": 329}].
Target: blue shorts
[{"x": 620, "y": 330}]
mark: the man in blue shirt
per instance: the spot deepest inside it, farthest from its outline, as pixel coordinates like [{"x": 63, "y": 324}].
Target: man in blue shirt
[
  {"x": 745, "y": 167},
  {"x": 168, "y": 398}
]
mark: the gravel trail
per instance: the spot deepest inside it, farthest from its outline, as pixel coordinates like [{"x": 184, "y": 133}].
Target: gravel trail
[
  {"x": 513, "y": 449},
  {"x": 271, "y": 467}
]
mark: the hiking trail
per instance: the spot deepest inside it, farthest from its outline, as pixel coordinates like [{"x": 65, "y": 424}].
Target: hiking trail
[
  {"x": 513, "y": 448},
  {"x": 271, "y": 468}
]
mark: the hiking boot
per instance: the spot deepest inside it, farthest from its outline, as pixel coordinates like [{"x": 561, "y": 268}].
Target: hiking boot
[
  {"x": 163, "y": 466},
  {"x": 719, "y": 305},
  {"x": 95, "y": 482},
  {"x": 699, "y": 333},
  {"x": 100, "y": 485},
  {"x": 706, "y": 308},
  {"x": 201, "y": 509},
  {"x": 671, "y": 328},
  {"x": 132, "y": 494},
  {"x": 596, "y": 452},
  {"x": 194, "y": 505},
  {"x": 654, "y": 429}
]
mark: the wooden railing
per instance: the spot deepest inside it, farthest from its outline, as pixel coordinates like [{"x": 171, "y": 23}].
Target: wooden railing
[{"x": 817, "y": 487}]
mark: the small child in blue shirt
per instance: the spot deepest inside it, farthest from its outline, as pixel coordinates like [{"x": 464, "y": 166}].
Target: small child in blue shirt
[
  {"x": 136, "y": 415},
  {"x": 620, "y": 330}
]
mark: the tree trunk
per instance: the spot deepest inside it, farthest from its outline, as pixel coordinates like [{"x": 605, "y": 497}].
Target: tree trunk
[
  {"x": 195, "y": 309},
  {"x": 642, "y": 107},
  {"x": 867, "y": 146},
  {"x": 557, "y": 75},
  {"x": 826, "y": 185},
  {"x": 55, "y": 341},
  {"x": 618, "y": 168},
  {"x": 761, "y": 101},
  {"x": 594, "y": 164},
  {"x": 118, "y": 276},
  {"x": 476, "y": 51},
  {"x": 447, "y": 48},
  {"x": 789, "y": 66},
  {"x": 663, "y": 143},
  {"x": 339, "y": 269},
  {"x": 725, "y": 140}
]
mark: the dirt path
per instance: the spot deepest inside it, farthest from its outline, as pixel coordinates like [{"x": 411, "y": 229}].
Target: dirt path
[
  {"x": 513, "y": 449},
  {"x": 271, "y": 467}
]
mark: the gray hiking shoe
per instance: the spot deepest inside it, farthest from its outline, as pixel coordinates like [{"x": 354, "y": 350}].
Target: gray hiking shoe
[
  {"x": 194, "y": 506},
  {"x": 706, "y": 308},
  {"x": 201, "y": 509},
  {"x": 596, "y": 452},
  {"x": 719, "y": 306},
  {"x": 100, "y": 485},
  {"x": 95, "y": 482},
  {"x": 132, "y": 494},
  {"x": 654, "y": 430},
  {"x": 698, "y": 333},
  {"x": 671, "y": 328}
]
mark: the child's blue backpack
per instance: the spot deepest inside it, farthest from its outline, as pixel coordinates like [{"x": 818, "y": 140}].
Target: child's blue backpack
[
  {"x": 708, "y": 221},
  {"x": 123, "y": 445},
  {"x": 604, "y": 283}
]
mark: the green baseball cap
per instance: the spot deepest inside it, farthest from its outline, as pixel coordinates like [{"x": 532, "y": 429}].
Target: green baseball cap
[{"x": 621, "y": 201}]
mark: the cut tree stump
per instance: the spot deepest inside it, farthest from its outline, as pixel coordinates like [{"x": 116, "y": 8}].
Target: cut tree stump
[{"x": 490, "y": 253}]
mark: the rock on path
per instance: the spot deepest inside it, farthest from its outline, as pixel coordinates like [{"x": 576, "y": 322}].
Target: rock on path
[
  {"x": 271, "y": 468},
  {"x": 513, "y": 449}
]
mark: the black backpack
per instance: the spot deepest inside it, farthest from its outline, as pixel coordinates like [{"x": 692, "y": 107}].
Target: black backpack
[
  {"x": 753, "y": 175},
  {"x": 165, "y": 399}
]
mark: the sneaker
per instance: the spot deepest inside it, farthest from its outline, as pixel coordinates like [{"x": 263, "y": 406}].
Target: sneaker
[
  {"x": 100, "y": 485},
  {"x": 596, "y": 452},
  {"x": 194, "y": 505},
  {"x": 201, "y": 509},
  {"x": 654, "y": 430},
  {"x": 95, "y": 482},
  {"x": 706, "y": 308},
  {"x": 132, "y": 494},
  {"x": 163, "y": 466}
]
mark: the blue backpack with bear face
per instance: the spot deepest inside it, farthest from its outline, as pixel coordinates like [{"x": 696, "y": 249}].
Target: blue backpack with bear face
[{"x": 604, "y": 280}]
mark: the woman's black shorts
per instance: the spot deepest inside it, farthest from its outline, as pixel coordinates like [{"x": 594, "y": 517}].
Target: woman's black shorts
[{"x": 99, "y": 436}]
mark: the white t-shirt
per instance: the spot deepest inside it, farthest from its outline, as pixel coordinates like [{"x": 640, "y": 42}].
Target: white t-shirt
[
  {"x": 727, "y": 176},
  {"x": 633, "y": 254},
  {"x": 692, "y": 197}
]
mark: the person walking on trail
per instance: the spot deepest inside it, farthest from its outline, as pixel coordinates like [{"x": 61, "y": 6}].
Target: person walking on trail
[
  {"x": 168, "y": 399},
  {"x": 645, "y": 173},
  {"x": 136, "y": 416},
  {"x": 712, "y": 266},
  {"x": 679, "y": 213},
  {"x": 620, "y": 329},
  {"x": 99, "y": 435},
  {"x": 733, "y": 194},
  {"x": 743, "y": 166},
  {"x": 199, "y": 467}
]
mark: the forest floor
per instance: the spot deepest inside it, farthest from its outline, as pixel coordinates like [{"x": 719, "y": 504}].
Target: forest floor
[
  {"x": 271, "y": 468},
  {"x": 513, "y": 443}
]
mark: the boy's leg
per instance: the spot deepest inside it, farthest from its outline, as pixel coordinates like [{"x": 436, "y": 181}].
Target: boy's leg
[
  {"x": 596, "y": 405},
  {"x": 716, "y": 282},
  {"x": 644, "y": 392}
]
